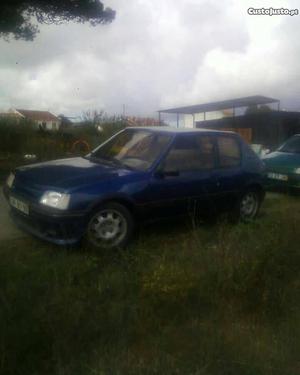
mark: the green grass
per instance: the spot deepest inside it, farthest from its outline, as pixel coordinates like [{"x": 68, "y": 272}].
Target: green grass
[{"x": 216, "y": 299}]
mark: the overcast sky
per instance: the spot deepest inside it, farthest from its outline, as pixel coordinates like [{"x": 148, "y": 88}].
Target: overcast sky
[{"x": 156, "y": 54}]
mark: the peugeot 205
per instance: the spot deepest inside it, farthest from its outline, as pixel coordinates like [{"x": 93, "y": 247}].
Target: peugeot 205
[{"x": 138, "y": 174}]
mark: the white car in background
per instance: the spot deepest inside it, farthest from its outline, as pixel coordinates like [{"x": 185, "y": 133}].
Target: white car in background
[{"x": 260, "y": 150}]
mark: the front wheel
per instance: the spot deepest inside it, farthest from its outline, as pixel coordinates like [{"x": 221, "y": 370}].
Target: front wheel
[{"x": 110, "y": 227}]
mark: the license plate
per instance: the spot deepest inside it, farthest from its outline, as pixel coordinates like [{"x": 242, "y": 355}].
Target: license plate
[
  {"x": 278, "y": 176},
  {"x": 19, "y": 205}
]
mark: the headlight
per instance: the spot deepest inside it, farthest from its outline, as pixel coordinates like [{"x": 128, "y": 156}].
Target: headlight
[
  {"x": 297, "y": 170},
  {"x": 55, "y": 199},
  {"x": 10, "y": 180}
]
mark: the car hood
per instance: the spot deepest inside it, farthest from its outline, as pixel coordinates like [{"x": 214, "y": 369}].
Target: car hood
[
  {"x": 67, "y": 173},
  {"x": 283, "y": 160}
]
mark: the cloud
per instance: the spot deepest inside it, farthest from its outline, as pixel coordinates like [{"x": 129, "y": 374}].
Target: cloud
[{"x": 155, "y": 54}]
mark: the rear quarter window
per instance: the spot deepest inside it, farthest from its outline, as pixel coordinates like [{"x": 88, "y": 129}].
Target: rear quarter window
[{"x": 229, "y": 151}]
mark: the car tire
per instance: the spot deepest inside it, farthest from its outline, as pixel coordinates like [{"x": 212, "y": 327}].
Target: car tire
[
  {"x": 246, "y": 207},
  {"x": 109, "y": 227}
]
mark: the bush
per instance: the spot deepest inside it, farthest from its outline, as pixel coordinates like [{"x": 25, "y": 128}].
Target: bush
[
  {"x": 22, "y": 137},
  {"x": 95, "y": 134},
  {"x": 15, "y": 137}
]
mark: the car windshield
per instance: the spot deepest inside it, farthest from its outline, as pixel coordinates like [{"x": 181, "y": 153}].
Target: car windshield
[
  {"x": 136, "y": 149},
  {"x": 292, "y": 145}
]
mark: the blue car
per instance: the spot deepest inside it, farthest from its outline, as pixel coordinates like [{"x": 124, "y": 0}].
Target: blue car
[{"x": 137, "y": 175}]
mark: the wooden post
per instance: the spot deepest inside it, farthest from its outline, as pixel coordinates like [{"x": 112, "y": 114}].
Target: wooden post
[{"x": 234, "y": 122}]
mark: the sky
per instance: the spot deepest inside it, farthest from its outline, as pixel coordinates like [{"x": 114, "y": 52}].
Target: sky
[{"x": 156, "y": 54}]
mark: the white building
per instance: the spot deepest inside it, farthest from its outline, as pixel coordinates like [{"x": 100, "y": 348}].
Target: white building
[{"x": 43, "y": 119}]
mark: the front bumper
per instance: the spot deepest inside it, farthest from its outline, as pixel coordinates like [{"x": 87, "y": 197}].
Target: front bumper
[
  {"x": 292, "y": 184},
  {"x": 60, "y": 228}
]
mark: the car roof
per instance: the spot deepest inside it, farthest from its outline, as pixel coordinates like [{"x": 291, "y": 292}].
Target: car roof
[{"x": 173, "y": 130}]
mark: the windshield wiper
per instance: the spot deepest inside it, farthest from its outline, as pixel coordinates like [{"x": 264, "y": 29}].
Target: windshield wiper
[
  {"x": 290, "y": 151},
  {"x": 97, "y": 159},
  {"x": 109, "y": 161},
  {"x": 120, "y": 164}
]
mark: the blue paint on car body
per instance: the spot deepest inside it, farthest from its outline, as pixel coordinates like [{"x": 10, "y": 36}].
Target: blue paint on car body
[{"x": 139, "y": 183}]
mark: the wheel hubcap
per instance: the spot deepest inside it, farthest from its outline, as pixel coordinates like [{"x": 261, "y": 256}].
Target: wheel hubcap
[
  {"x": 107, "y": 228},
  {"x": 249, "y": 205}
]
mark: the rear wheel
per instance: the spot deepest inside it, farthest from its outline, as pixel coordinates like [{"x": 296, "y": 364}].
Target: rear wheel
[
  {"x": 247, "y": 206},
  {"x": 110, "y": 227}
]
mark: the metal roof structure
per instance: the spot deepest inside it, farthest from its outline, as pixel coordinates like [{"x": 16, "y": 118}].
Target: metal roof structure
[
  {"x": 225, "y": 104},
  {"x": 173, "y": 130}
]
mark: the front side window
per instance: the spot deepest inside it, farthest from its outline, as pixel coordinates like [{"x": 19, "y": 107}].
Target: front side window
[
  {"x": 229, "y": 152},
  {"x": 190, "y": 153},
  {"x": 137, "y": 149}
]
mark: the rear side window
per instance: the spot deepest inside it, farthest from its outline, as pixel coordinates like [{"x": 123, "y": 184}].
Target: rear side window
[
  {"x": 229, "y": 152},
  {"x": 191, "y": 153}
]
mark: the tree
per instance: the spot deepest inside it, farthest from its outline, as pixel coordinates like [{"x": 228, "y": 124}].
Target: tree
[
  {"x": 93, "y": 118},
  {"x": 17, "y": 17},
  {"x": 65, "y": 122}
]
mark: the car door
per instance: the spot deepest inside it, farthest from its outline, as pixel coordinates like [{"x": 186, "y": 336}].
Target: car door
[
  {"x": 185, "y": 180},
  {"x": 229, "y": 171}
]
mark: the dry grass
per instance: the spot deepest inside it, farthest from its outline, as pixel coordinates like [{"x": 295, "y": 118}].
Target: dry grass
[{"x": 220, "y": 299}]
